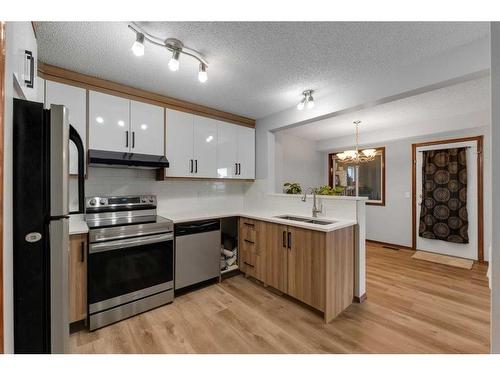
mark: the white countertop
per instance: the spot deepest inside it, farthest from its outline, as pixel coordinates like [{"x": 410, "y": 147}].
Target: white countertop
[
  {"x": 77, "y": 224},
  {"x": 269, "y": 216}
]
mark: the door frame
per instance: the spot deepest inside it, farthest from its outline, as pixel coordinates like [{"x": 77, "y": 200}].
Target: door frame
[
  {"x": 480, "y": 199},
  {"x": 2, "y": 117}
]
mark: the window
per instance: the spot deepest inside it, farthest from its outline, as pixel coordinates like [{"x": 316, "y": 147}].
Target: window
[{"x": 369, "y": 177}]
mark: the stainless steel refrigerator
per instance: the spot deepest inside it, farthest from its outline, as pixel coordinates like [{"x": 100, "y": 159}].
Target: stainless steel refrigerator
[{"x": 41, "y": 226}]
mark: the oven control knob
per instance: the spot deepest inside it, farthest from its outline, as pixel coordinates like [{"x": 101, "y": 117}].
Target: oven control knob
[
  {"x": 143, "y": 200},
  {"x": 102, "y": 201},
  {"x": 92, "y": 202},
  {"x": 151, "y": 200}
]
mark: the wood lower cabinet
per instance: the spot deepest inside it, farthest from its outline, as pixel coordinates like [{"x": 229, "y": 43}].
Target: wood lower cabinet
[
  {"x": 316, "y": 268},
  {"x": 276, "y": 256},
  {"x": 306, "y": 266},
  {"x": 77, "y": 277}
]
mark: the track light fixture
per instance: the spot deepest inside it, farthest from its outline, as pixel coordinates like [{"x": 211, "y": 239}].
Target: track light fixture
[
  {"x": 307, "y": 100},
  {"x": 175, "y": 46}
]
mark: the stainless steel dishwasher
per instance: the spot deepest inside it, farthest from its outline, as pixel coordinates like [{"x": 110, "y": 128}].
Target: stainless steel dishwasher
[{"x": 197, "y": 252}]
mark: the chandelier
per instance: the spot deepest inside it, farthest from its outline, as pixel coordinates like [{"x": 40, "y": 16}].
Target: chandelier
[{"x": 355, "y": 156}]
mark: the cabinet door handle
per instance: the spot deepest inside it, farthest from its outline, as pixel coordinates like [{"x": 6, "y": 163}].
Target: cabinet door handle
[
  {"x": 248, "y": 241},
  {"x": 133, "y": 139},
  {"x": 235, "y": 169},
  {"x": 82, "y": 252},
  {"x": 249, "y": 224},
  {"x": 29, "y": 57},
  {"x": 289, "y": 240},
  {"x": 191, "y": 166},
  {"x": 239, "y": 169},
  {"x": 196, "y": 166},
  {"x": 284, "y": 238},
  {"x": 126, "y": 138},
  {"x": 248, "y": 264}
]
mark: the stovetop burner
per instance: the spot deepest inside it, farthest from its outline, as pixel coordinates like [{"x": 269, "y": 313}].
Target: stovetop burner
[{"x": 127, "y": 216}]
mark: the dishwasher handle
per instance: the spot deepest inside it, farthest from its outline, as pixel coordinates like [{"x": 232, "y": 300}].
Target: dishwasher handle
[{"x": 194, "y": 227}]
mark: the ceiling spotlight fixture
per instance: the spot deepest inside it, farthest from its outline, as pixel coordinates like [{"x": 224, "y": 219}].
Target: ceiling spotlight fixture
[
  {"x": 175, "y": 46},
  {"x": 173, "y": 64},
  {"x": 138, "y": 46},
  {"x": 202, "y": 73},
  {"x": 307, "y": 100}
]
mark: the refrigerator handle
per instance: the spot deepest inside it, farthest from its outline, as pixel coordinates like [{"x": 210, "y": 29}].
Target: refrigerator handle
[{"x": 75, "y": 138}]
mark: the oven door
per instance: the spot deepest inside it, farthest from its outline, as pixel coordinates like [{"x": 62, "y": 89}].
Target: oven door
[{"x": 127, "y": 270}]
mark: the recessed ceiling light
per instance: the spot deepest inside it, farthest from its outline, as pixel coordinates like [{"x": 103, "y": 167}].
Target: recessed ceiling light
[
  {"x": 121, "y": 123},
  {"x": 144, "y": 126},
  {"x": 210, "y": 138},
  {"x": 99, "y": 119}
]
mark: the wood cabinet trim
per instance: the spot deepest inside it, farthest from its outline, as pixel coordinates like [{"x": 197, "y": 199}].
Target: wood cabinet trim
[
  {"x": 77, "y": 277},
  {"x": 2, "y": 119},
  {"x": 55, "y": 73}
]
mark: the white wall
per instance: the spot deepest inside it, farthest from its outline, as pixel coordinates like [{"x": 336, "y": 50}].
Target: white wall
[
  {"x": 495, "y": 140},
  {"x": 296, "y": 160}
]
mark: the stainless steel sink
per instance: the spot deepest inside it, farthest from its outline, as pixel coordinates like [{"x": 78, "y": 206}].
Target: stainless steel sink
[{"x": 305, "y": 220}]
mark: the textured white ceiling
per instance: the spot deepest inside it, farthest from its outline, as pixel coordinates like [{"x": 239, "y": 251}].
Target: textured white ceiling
[
  {"x": 468, "y": 98},
  {"x": 256, "y": 68}
]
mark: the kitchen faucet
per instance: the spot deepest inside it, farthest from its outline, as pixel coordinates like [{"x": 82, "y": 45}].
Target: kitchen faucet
[{"x": 315, "y": 209}]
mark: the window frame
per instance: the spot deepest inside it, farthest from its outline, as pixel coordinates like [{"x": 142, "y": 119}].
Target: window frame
[{"x": 333, "y": 155}]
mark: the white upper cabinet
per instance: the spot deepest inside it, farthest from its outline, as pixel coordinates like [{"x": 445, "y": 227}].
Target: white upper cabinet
[
  {"x": 227, "y": 150},
  {"x": 246, "y": 152},
  {"x": 205, "y": 147},
  {"x": 109, "y": 122},
  {"x": 147, "y": 128},
  {"x": 75, "y": 99},
  {"x": 179, "y": 143},
  {"x": 235, "y": 151}
]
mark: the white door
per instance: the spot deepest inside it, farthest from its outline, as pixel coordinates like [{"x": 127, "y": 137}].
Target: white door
[
  {"x": 75, "y": 99},
  {"x": 109, "y": 128},
  {"x": 147, "y": 127},
  {"x": 205, "y": 147},
  {"x": 179, "y": 143},
  {"x": 227, "y": 150},
  {"x": 449, "y": 248},
  {"x": 246, "y": 152}
]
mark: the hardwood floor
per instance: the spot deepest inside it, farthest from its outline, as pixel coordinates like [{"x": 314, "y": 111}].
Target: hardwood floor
[{"x": 413, "y": 306}]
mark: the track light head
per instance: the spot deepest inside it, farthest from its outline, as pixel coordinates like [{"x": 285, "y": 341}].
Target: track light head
[
  {"x": 307, "y": 100},
  {"x": 173, "y": 64},
  {"x": 138, "y": 46},
  {"x": 202, "y": 73}
]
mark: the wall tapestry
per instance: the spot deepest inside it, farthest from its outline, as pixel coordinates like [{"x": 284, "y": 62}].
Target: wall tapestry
[{"x": 443, "y": 213}]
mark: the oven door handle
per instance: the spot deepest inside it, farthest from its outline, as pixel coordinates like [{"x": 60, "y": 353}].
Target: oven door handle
[{"x": 137, "y": 241}]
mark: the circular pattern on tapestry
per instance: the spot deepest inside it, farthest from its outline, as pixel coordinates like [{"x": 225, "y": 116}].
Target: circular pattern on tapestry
[
  {"x": 462, "y": 176},
  {"x": 462, "y": 194},
  {"x": 429, "y": 203},
  {"x": 441, "y": 159},
  {"x": 441, "y": 230},
  {"x": 430, "y": 168},
  {"x": 441, "y": 177},
  {"x": 441, "y": 212},
  {"x": 453, "y": 204},
  {"x": 462, "y": 213},
  {"x": 428, "y": 235},
  {"x": 454, "y": 222},
  {"x": 453, "y": 186},
  {"x": 429, "y": 220},
  {"x": 441, "y": 194}
]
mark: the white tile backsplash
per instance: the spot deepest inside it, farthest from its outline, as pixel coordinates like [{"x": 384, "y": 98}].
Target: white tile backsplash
[{"x": 174, "y": 195}]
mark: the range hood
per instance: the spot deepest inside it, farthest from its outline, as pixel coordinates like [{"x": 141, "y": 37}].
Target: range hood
[{"x": 126, "y": 159}]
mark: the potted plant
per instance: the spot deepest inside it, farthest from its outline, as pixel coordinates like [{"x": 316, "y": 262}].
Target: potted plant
[{"x": 292, "y": 188}]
